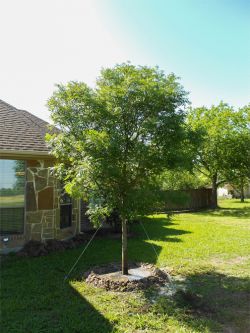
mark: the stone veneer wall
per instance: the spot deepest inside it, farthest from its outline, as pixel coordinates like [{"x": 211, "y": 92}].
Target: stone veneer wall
[{"x": 42, "y": 220}]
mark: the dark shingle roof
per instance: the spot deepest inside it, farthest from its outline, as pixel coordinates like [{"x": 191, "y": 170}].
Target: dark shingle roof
[{"x": 21, "y": 130}]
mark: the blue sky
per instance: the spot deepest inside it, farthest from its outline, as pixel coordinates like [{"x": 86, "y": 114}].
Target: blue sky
[
  {"x": 7, "y": 171},
  {"x": 206, "y": 43}
]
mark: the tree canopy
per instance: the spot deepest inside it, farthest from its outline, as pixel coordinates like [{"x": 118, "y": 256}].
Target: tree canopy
[
  {"x": 115, "y": 138},
  {"x": 182, "y": 179},
  {"x": 237, "y": 166},
  {"x": 223, "y": 145}
]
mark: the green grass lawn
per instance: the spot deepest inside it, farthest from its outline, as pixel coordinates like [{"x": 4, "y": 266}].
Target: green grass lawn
[
  {"x": 208, "y": 252},
  {"x": 12, "y": 201}
]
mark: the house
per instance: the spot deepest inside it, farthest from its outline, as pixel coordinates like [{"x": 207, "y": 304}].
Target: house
[
  {"x": 236, "y": 193},
  {"x": 32, "y": 203}
]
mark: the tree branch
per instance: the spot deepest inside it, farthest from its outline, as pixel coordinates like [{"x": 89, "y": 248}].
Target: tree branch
[
  {"x": 202, "y": 172},
  {"x": 221, "y": 181}
]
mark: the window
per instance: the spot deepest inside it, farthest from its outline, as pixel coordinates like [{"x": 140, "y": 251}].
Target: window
[
  {"x": 12, "y": 192},
  {"x": 65, "y": 211}
]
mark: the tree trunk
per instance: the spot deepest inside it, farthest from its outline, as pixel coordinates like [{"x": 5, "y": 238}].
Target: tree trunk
[
  {"x": 214, "y": 193},
  {"x": 124, "y": 247},
  {"x": 242, "y": 195}
]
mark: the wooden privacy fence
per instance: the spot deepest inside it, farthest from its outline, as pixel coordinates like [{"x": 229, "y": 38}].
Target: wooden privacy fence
[
  {"x": 174, "y": 201},
  {"x": 189, "y": 199}
]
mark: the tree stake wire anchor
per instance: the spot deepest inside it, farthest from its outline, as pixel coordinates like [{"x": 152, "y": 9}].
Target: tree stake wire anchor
[
  {"x": 146, "y": 233},
  {"x": 87, "y": 245}
]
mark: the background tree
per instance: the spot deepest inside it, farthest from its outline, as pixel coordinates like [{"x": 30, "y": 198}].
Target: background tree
[
  {"x": 237, "y": 166},
  {"x": 19, "y": 168},
  {"x": 220, "y": 127},
  {"x": 117, "y": 137},
  {"x": 179, "y": 179},
  {"x": 215, "y": 124}
]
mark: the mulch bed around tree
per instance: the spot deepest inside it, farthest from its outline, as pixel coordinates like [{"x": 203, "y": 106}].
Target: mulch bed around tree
[{"x": 141, "y": 276}]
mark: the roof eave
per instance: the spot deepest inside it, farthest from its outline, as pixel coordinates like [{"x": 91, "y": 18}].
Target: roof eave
[{"x": 24, "y": 154}]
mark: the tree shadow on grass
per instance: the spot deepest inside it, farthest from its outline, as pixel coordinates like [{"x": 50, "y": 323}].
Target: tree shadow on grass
[
  {"x": 210, "y": 300},
  {"x": 241, "y": 213},
  {"x": 157, "y": 229},
  {"x": 107, "y": 249},
  {"x": 35, "y": 298}
]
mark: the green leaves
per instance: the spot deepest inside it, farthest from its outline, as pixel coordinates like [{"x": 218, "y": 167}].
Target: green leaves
[
  {"x": 224, "y": 150},
  {"x": 116, "y": 137}
]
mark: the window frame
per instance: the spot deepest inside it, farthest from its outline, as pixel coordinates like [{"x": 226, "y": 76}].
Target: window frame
[
  {"x": 23, "y": 231},
  {"x": 70, "y": 212}
]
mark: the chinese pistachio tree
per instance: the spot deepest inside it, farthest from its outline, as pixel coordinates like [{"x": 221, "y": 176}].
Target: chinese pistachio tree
[
  {"x": 220, "y": 127},
  {"x": 117, "y": 137}
]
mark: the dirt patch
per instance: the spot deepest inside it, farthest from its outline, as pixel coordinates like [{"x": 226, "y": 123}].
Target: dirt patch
[
  {"x": 37, "y": 249},
  {"x": 193, "y": 301},
  {"x": 141, "y": 276}
]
